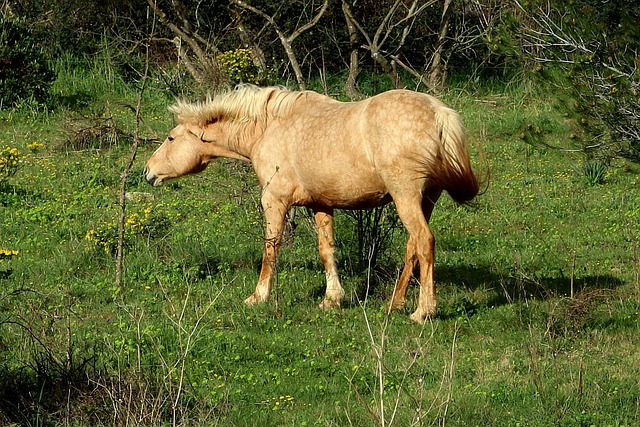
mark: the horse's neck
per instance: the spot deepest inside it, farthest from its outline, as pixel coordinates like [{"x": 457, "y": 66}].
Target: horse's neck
[
  {"x": 241, "y": 140},
  {"x": 231, "y": 154},
  {"x": 276, "y": 103},
  {"x": 227, "y": 140}
]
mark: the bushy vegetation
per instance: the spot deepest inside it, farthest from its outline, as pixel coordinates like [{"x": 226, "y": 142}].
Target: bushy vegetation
[
  {"x": 24, "y": 70},
  {"x": 588, "y": 50}
]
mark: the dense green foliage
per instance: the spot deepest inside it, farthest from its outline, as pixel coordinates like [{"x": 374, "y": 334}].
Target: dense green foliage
[
  {"x": 538, "y": 284},
  {"x": 588, "y": 50},
  {"x": 605, "y": 76},
  {"x": 24, "y": 70}
]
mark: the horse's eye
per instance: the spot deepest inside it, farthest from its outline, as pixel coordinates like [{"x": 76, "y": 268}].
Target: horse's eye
[{"x": 170, "y": 138}]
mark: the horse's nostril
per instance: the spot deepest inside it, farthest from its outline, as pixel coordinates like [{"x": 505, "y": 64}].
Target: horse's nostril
[{"x": 151, "y": 179}]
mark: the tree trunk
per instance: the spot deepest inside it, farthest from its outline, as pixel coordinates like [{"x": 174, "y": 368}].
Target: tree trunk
[
  {"x": 350, "y": 86},
  {"x": 249, "y": 42},
  {"x": 435, "y": 74},
  {"x": 287, "y": 41}
]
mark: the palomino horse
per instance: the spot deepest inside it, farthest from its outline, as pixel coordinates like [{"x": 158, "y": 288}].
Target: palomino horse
[{"x": 310, "y": 150}]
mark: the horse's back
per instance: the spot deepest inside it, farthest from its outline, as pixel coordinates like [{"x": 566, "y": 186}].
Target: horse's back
[
  {"x": 349, "y": 154},
  {"x": 401, "y": 128},
  {"x": 321, "y": 153}
]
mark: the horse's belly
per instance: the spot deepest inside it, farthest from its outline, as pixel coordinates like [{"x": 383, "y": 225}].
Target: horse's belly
[{"x": 343, "y": 194}]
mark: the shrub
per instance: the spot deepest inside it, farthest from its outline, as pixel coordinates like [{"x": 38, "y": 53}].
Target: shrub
[
  {"x": 24, "y": 70},
  {"x": 595, "y": 172},
  {"x": 592, "y": 51},
  {"x": 147, "y": 223},
  {"x": 238, "y": 66},
  {"x": 9, "y": 163},
  {"x": 374, "y": 231}
]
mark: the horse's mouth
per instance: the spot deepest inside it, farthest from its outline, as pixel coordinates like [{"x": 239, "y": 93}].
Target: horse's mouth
[{"x": 151, "y": 178}]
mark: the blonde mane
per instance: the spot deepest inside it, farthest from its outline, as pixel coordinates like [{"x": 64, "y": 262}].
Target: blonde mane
[{"x": 246, "y": 103}]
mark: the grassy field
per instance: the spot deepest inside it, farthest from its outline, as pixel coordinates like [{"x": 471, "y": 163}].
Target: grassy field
[{"x": 538, "y": 284}]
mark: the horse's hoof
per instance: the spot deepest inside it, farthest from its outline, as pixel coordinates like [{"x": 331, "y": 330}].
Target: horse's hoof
[
  {"x": 328, "y": 303},
  {"x": 252, "y": 300},
  {"x": 394, "y": 306},
  {"x": 420, "y": 318}
]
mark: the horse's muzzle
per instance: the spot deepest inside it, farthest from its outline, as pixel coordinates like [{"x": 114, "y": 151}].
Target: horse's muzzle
[{"x": 151, "y": 178}]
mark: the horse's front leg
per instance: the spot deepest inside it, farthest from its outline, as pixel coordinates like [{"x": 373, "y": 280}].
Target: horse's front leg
[
  {"x": 327, "y": 248},
  {"x": 275, "y": 211}
]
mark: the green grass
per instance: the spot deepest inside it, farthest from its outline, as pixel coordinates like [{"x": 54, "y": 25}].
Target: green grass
[{"x": 538, "y": 287}]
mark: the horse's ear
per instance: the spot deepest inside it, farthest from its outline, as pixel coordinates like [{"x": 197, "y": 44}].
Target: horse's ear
[
  {"x": 212, "y": 120},
  {"x": 207, "y": 133}
]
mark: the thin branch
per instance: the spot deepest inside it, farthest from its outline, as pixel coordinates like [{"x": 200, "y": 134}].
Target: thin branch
[
  {"x": 412, "y": 14},
  {"x": 385, "y": 24},
  {"x": 311, "y": 23},
  {"x": 259, "y": 12},
  {"x": 287, "y": 41},
  {"x": 407, "y": 68},
  {"x": 127, "y": 169},
  {"x": 347, "y": 11},
  {"x": 194, "y": 42}
]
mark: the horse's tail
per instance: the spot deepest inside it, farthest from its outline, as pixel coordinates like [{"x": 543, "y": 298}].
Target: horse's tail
[{"x": 453, "y": 172}]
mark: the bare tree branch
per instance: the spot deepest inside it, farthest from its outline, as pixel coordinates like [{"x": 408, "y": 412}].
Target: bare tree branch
[
  {"x": 122, "y": 202},
  {"x": 287, "y": 41},
  {"x": 210, "y": 73},
  {"x": 384, "y": 32}
]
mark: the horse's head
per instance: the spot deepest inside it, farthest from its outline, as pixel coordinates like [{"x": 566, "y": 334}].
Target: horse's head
[
  {"x": 224, "y": 126},
  {"x": 183, "y": 152}
]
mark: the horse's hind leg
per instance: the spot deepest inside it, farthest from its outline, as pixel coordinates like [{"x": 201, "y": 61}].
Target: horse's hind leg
[
  {"x": 275, "y": 211},
  {"x": 421, "y": 246},
  {"x": 327, "y": 248},
  {"x": 398, "y": 298}
]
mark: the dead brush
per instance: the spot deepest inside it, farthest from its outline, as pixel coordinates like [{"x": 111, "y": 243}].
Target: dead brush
[
  {"x": 96, "y": 132},
  {"x": 572, "y": 315}
]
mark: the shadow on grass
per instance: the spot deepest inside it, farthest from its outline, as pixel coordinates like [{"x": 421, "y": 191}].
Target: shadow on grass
[
  {"x": 509, "y": 287},
  {"x": 33, "y": 392},
  {"x": 576, "y": 305},
  {"x": 75, "y": 101},
  {"x": 500, "y": 288}
]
